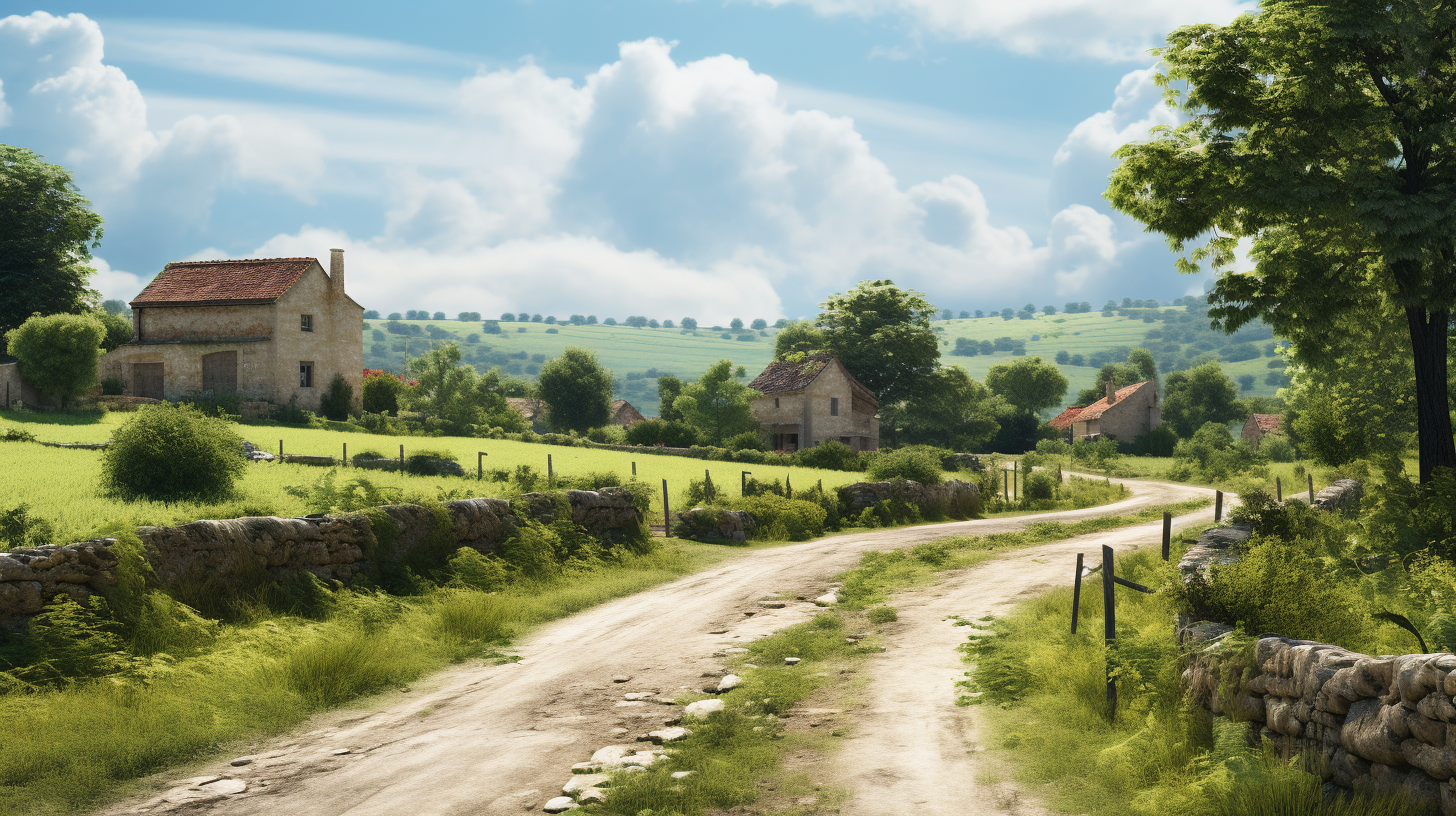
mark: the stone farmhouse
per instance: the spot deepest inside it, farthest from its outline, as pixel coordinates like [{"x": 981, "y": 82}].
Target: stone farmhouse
[
  {"x": 624, "y": 414},
  {"x": 1124, "y": 414},
  {"x": 534, "y": 411},
  {"x": 815, "y": 399},
  {"x": 1258, "y": 426},
  {"x": 267, "y": 329}
]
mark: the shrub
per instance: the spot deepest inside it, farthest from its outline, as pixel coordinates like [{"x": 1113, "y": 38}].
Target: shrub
[
  {"x": 58, "y": 352},
  {"x": 1277, "y": 448},
  {"x": 780, "y": 519},
  {"x": 381, "y": 393},
  {"x": 748, "y": 440},
  {"x": 168, "y": 453},
  {"x": 112, "y": 387},
  {"x": 469, "y": 568},
  {"x": 672, "y": 434},
  {"x": 831, "y": 455},
  {"x": 1160, "y": 441},
  {"x": 1038, "y": 486},
  {"x": 1098, "y": 455},
  {"x": 291, "y": 414},
  {"x": 18, "y": 528},
  {"x": 915, "y": 465},
  {"x": 339, "y": 399},
  {"x": 882, "y": 614},
  {"x": 223, "y": 406}
]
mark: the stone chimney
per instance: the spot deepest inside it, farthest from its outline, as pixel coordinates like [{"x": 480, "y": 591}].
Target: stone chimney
[
  {"x": 1111, "y": 389},
  {"x": 336, "y": 271}
]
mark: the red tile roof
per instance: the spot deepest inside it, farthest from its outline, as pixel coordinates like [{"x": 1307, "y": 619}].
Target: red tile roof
[
  {"x": 257, "y": 280},
  {"x": 625, "y": 414},
  {"x": 1066, "y": 418},
  {"x": 1097, "y": 408},
  {"x": 1268, "y": 423}
]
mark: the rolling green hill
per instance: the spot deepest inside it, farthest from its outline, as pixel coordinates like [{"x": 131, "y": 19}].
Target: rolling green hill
[{"x": 1178, "y": 338}]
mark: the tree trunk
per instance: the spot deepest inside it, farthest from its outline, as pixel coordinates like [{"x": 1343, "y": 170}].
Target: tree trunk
[{"x": 1428, "y": 332}]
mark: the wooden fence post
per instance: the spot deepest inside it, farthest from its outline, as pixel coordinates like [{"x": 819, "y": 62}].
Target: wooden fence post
[
  {"x": 280, "y": 450},
  {"x": 345, "y": 460},
  {"x": 550, "y": 473},
  {"x": 1006, "y": 485},
  {"x": 401, "y": 458},
  {"x": 1218, "y": 505},
  {"x": 666, "y": 512},
  {"x": 1060, "y": 478},
  {"x": 1311, "y": 489},
  {"x": 1109, "y": 627},
  {"x": 634, "y": 470},
  {"x": 1167, "y": 533},
  {"x": 480, "y": 466},
  {"x": 1278, "y": 489},
  {"x": 1014, "y": 474},
  {"x": 1076, "y": 593}
]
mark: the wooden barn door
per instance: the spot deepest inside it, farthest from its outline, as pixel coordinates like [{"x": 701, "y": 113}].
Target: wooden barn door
[
  {"x": 146, "y": 380},
  {"x": 220, "y": 372}
]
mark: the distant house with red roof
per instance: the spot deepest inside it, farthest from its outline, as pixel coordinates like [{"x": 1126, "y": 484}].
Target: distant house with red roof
[
  {"x": 266, "y": 329},
  {"x": 1124, "y": 414},
  {"x": 1258, "y": 426},
  {"x": 806, "y": 400}
]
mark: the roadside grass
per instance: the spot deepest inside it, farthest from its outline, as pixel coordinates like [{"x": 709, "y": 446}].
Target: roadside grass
[
  {"x": 67, "y": 749},
  {"x": 1043, "y": 694},
  {"x": 730, "y": 752}
]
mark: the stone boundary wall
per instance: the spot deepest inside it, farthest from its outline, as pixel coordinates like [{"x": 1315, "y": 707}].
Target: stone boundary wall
[
  {"x": 333, "y": 548},
  {"x": 1381, "y": 724}
]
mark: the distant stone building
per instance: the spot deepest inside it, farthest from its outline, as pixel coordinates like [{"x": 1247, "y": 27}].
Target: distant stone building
[
  {"x": 1124, "y": 414},
  {"x": 1258, "y": 426},
  {"x": 267, "y": 329},
  {"x": 812, "y": 400},
  {"x": 531, "y": 410},
  {"x": 624, "y": 414}
]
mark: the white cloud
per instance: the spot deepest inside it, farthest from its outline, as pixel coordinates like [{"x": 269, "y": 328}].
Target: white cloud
[
  {"x": 651, "y": 187},
  {"x": 114, "y": 283},
  {"x": 1096, "y": 29}
]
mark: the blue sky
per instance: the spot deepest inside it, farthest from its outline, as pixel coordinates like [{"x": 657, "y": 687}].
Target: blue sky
[{"x": 661, "y": 157}]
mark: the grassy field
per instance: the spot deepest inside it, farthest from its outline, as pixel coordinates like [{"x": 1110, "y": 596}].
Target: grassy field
[
  {"x": 61, "y": 485},
  {"x": 637, "y": 356}
]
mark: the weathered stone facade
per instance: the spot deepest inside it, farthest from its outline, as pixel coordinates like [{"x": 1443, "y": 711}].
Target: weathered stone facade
[
  {"x": 815, "y": 400},
  {"x": 333, "y": 548},
  {"x": 15, "y": 392},
  {"x": 957, "y": 499},
  {"x": 245, "y": 338},
  {"x": 1123, "y": 414}
]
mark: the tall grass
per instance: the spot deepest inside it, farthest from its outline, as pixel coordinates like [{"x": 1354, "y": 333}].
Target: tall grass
[
  {"x": 1043, "y": 694},
  {"x": 66, "y": 749}
]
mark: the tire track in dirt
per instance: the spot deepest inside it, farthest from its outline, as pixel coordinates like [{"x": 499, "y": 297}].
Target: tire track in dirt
[{"x": 500, "y": 739}]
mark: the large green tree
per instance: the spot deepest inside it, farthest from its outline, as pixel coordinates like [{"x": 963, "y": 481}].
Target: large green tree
[
  {"x": 1028, "y": 384},
  {"x": 47, "y": 230},
  {"x": 577, "y": 390},
  {"x": 58, "y": 353},
  {"x": 955, "y": 412},
  {"x": 1200, "y": 395},
  {"x": 882, "y": 335},
  {"x": 1324, "y": 131},
  {"x": 798, "y": 338},
  {"x": 717, "y": 405},
  {"x": 449, "y": 391}
]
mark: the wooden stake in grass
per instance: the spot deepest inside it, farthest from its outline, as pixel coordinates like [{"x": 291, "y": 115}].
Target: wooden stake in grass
[
  {"x": 480, "y": 466},
  {"x": 1109, "y": 627},
  {"x": 280, "y": 450},
  {"x": 1311, "y": 489},
  {"x": 1218, "y": 505},
  {"x": 550, "y": 474},
  {"x": 345, "y": 460},
  {"x": 1278, "y": 489},
  {"x": 666, "y": 513},
  {"x": 634, "y": 470},
  {"x": 1167, "y": 533},
  {"x": 1076, "y": 593},
  {"x": 401, "y": 458}
]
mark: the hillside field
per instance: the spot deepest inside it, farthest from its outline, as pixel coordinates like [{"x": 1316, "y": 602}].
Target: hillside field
[{"x": 637, "y": 356}]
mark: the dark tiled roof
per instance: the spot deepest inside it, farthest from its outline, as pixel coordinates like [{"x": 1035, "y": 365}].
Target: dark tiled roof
[
  {"x": 1097, "y": 408},
  {"x": 783, "y": 375},
  {"x": 260, "y": 280},
  {"x": 1268, "y": 423},
  {"x": 1065, "y": 418},
  {"x": 625, "y": 414},
  {"x": 529, "y": 409}
]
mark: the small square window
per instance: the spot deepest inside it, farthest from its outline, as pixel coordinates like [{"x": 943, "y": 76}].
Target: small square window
[
  {"x": 305, "y": 322},
  {"x": 305, "y": 375},
  {"x": 834, "y": 406}
]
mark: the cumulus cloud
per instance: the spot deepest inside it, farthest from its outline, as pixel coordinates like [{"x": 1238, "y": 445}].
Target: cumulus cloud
[
  {"x": 1093, "y": 29},
  {"x": 649, "y": 187}
]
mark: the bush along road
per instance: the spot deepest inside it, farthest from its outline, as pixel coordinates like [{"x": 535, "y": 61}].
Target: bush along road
[{"x": 503, "y": 738}]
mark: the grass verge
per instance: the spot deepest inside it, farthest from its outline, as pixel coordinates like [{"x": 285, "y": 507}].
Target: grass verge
[
  {"x": 1043, "y": 691},
  {"x": 66, "y": 749}
]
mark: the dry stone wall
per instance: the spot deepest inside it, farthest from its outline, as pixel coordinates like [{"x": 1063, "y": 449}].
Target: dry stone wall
[
  {"x": 333, "y": 548},
  {"x": 950, "y": 495}
]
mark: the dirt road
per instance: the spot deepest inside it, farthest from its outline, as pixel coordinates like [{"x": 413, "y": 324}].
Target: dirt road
[
  {"x": 501, "y": 739},
  {"x": 911, "y": 749}
]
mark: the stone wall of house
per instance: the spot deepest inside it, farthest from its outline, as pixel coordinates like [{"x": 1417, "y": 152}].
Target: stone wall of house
[
  {"x": 182, "y": 366},
  {"x": 17, "y": 392},
  {"x": 334, "y": 548}
]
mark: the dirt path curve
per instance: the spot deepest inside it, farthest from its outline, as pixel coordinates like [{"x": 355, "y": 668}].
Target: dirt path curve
[
  {"x": 501, "y": 739},
  {"x": 912, "y": 750}
]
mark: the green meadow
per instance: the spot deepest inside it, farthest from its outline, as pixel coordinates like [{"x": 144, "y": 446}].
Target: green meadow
[{"x": 61, "y": 485}]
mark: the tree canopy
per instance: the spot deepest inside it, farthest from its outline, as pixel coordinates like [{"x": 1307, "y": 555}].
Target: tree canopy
[
  {"x": 798, "y": 338},
  {"x": 1325, "y": 133},
  {"x": 577, "y": 390},
  {"x": 47, "y": 230},
  {"x": 58, "y": 353},
  {"x": 882, "y": 335},
  {"x": 1200, "y": 395},
  {"x": 448, "y": 391},
  {"x": 1028, "y": 384},
  {"x": 717, "y": 405}
]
